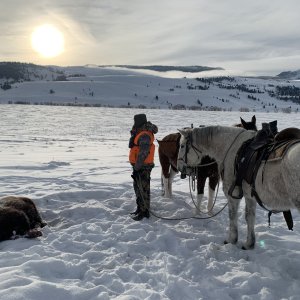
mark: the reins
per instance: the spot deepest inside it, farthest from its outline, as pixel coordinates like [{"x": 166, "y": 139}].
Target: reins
[
  {"x": 181, "y": 218},
  {"x": 192, "y": 186},
  {"x": 215, "y": 199},
  {"x": 201, "y": 165},
  {"x": 194, "y": 217},
  {"x": 225, "y": 156}
]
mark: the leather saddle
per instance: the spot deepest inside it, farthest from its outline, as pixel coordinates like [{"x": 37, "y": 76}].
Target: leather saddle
[{"x": 258, "y": 150}]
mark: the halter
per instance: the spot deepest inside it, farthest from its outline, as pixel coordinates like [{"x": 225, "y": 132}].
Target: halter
[{"x": 189, "y": 144}]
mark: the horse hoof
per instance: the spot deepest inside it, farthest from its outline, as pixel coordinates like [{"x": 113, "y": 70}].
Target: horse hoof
[
  {"x": 247, "y": 248},
  {"x": 233, "y": 243}
]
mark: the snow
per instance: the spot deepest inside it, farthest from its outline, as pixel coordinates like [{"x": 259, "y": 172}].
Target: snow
[
  {"x": 72, "y": 161},
  {"x": 121, "y": 87}
]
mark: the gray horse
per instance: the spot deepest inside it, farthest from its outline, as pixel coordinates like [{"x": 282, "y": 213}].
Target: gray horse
[{"x": 279, "y": 191}]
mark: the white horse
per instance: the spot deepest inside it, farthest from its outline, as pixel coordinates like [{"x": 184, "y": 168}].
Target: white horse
[{"x": 279, "y": 191}]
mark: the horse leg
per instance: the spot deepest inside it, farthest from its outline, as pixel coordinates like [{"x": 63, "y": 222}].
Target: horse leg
[
  {"x": 162, "y": 182},
  {"x": 213, "y": 182},
  {"x": 168, "y": 182},
  {"x": 250, "y": 219},
  {"x": 172, "y": 175},
  {"x": 233, "y": 205},
  {"x": 201, "y": 179},
  {"x": 165, "y": 174},
  {"x": 166, "y": 185}
]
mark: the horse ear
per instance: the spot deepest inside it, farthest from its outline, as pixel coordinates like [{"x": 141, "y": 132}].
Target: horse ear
[
  {"x": 243, "y": 122},
  {"x": 254, "y": 119},
  {"x": 183, "y": 132}
]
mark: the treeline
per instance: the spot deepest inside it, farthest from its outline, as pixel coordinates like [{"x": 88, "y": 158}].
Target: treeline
[
  {"x": 17, "y": 72},
  {"x": 289, "y": 92},
  {"x": 211, "y": 80},
  {"x": 190, "y": 69},
  {"x": 14, "y": 70}
]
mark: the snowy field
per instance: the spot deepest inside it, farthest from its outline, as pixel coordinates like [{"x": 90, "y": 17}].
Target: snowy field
[
  {"x": 73, "y": 163},
  {"x": 119, "y": 87}
]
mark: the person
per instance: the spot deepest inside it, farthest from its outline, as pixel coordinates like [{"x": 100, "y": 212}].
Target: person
[{"x": 141, "y": 157}]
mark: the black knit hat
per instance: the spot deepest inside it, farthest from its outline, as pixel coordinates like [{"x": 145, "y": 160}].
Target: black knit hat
[{"x": 139, "y": 120}]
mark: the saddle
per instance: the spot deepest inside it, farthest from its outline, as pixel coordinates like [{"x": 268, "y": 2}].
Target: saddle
[
  {"x": 253, "y": 157},
  {"x": 261, "y": 149}
]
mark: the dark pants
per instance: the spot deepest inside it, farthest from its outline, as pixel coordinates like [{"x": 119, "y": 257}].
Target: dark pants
[{"x": 141, "y": 185}]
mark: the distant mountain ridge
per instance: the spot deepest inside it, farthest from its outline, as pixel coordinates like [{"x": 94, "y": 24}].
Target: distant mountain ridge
[
  {"x": 160, "y": 68},
  {"x": 17, "y": 71},
  {"x": 291, "y": 75},
  {"x": 92, "y": 85}
]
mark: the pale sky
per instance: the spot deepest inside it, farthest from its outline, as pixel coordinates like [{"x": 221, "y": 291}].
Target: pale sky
[{"x": 259, "y": 37}]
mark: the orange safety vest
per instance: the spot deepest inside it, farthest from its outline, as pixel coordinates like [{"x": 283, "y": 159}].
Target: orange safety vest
[{"x": 134, "y": 151}]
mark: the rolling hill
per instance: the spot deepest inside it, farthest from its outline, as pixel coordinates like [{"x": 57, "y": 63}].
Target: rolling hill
[{"x": 168, "y": 88}]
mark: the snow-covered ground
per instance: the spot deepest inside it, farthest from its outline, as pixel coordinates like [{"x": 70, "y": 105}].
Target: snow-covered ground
[
  {"x": 123, "y": 87},
  {"x": 72, "y": 162}
]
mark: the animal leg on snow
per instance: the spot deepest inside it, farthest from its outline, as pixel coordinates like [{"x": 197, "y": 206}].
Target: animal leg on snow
[
  {"x": 250, "y": 219},
  {"x": 233, "y": 205},
  {"x": 198, "y": 204},
  {"x": 167, "y": 191},
  {"x": 162, "y": 179},
  {"x": 211, "y": 198}
]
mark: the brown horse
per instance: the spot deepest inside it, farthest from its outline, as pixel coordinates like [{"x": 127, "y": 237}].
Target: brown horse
[{"x": 168, "y": 152}]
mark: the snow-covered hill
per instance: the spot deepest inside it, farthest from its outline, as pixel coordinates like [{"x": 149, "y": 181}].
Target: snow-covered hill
[
  {"x": 12, "y": 72},
  {"x": 291, "y": 75},
  {"x": 123, "y": 87}
]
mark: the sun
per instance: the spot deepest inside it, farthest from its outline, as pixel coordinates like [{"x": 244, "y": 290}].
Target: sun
[{"x": 47, "y": 40}]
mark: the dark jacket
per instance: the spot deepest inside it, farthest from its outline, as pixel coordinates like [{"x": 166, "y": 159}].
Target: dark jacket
[{"x": 144, "y": 143}]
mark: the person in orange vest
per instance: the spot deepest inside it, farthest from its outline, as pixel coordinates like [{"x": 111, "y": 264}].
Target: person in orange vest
[{"x": 141, "y": 157}]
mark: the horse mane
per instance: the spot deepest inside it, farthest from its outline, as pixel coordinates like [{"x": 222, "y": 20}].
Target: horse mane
[{"x": 205, "y": 134}]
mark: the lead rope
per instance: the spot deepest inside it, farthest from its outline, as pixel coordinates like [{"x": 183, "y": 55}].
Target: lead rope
[
  {"x": 192, "y": 217},
  {"x": 193, "y": 176},
  {"x": 203, "y": 218},
  {"x": 214, "y": 203}
]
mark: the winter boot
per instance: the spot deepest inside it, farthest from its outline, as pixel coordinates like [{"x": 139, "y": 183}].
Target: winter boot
[
  {"x": 141, "y": 215},
  {"x": 137, "y": 211}
]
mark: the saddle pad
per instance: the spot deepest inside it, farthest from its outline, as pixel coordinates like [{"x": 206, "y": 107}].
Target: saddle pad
[{"x": 280, "y": 150}]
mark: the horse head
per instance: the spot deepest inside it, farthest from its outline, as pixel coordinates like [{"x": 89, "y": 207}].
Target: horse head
[
  {"x": 189, "y": 156},
  {"x": 249, "y": 125}
]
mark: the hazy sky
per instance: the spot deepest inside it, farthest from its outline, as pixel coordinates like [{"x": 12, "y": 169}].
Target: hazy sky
[{"x": 257, "y": 36}]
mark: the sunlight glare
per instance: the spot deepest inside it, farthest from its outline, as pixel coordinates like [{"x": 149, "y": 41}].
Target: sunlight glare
[{"x": 47, "y": 40}]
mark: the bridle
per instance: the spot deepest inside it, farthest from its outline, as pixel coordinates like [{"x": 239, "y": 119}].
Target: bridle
[{"x": 188, "y": 145}]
